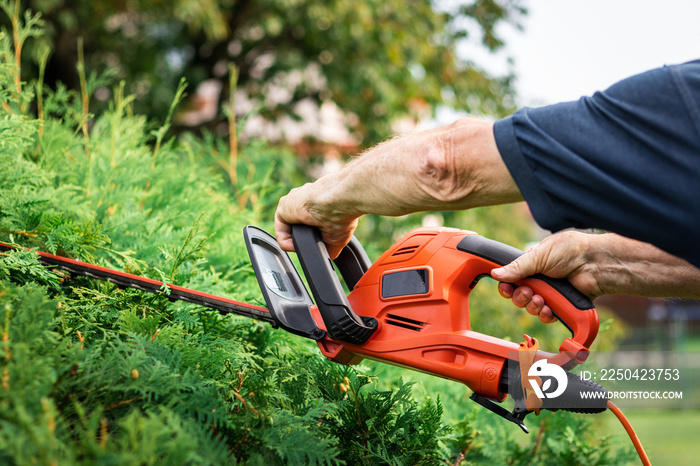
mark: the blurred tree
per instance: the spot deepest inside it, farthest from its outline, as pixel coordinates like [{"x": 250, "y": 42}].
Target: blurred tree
[{"x": 377, "y": 60}]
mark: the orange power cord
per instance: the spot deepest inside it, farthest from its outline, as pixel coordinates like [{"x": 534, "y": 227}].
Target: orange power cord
[{"x": 630, "y": 431}]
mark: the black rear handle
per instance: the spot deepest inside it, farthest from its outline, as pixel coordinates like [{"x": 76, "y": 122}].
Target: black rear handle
[{"x": 503, "y": 254}]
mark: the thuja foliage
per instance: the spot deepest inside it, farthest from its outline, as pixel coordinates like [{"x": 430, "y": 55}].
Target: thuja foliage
[{"x": 94, "y": 374}]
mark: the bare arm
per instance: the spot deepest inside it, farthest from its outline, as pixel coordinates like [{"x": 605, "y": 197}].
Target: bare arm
[
  {"x": 598, "y": 265},
  {"x": 452, "y": 167}
]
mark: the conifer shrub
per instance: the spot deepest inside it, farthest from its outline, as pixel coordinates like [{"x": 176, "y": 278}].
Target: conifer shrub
[{"x": 94, "y": 374}]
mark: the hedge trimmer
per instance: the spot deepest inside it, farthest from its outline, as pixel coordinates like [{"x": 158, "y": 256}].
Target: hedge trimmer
[{"x": 410, "y": 308}]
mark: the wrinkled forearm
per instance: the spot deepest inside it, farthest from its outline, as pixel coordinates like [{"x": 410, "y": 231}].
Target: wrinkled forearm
[
  {"x": 452, "y": 167},
  {"x": 629, "y": 267}
]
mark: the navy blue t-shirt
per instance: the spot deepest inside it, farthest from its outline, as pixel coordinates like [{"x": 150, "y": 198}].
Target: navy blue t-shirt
[{"x": 626, "y": 160}]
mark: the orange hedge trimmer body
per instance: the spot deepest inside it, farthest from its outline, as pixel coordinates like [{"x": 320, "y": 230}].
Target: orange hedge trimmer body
[{"x": 411, "y": 308}]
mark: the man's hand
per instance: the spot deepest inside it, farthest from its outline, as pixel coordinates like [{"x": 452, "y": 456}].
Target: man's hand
[
  {"x": 452, "y": 167},
  {"x": 301, "y": 206},
  {"x": 564, "y": 255},
  {"x": 597, "y": 265}
]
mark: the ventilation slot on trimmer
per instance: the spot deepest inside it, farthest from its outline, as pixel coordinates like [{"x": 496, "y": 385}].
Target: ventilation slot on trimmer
[
  {"x": 406, "y": 250},
  {"x": 404, "y": 322}
]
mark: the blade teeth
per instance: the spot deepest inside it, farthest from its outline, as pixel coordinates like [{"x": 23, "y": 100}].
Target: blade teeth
[{"x": 223, "y": 307}]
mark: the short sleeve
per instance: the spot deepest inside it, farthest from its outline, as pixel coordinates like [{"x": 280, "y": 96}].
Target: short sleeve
[{"x": 625, "y": 160}]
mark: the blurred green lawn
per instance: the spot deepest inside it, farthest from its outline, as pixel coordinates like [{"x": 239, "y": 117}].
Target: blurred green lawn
[{"x": 669, "y": 436}]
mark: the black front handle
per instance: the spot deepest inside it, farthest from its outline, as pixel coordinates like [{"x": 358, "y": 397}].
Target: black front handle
[{"x": 341, "y": 322}]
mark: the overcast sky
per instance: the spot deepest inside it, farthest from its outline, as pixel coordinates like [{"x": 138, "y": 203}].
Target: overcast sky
[{"x": 570, "y": 48}]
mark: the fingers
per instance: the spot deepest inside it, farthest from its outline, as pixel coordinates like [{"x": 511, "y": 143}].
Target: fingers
[
  {"x": 338, "y": 236},
  {"x": 283, "y": 233},
  {"x": 528, "y": 264},
  {"x": 558, "y": 256},
  {"x": 293, "y": 209},
  {"x": 524, "y": 298},
  {"x": 537, "y": 307},
  {"x": 506, "y": 290},
  {"x": 546, "y": 315},
  {"x": 551, "y": 257},
  {"x": 290, "y": 210}
]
